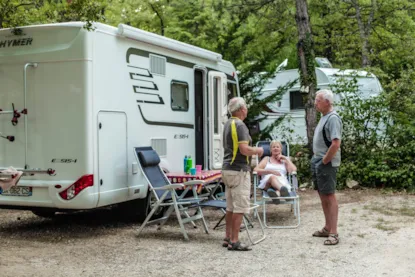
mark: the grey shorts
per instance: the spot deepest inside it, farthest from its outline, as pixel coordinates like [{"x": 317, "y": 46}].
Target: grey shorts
[{"x": 324, "y": 176}]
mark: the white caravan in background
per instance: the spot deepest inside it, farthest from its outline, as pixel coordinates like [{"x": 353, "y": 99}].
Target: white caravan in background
[
  {"x": 292, "y": 104},
  {"x": 80, "y": 101}
]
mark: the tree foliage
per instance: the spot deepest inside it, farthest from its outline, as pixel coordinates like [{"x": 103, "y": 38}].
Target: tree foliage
[{"x": 257, "y": 35}]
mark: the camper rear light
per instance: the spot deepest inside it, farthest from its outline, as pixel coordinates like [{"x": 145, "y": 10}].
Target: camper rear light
[{"x": 82, "y": 183}]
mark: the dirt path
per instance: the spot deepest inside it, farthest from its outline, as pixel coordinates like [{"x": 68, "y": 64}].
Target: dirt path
[{"x": 377, "y": 234}]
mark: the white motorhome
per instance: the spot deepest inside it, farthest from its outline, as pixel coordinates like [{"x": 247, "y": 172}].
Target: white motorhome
[
  {"x": 292, "y": 104},
  {"x": 81, "y": 100}
]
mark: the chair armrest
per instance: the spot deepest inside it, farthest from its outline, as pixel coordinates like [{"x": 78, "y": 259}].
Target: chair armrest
[
  {"x": 194, "y": 183},
  {"x": 294, "y": 173},
  {"x": 171, "y": 187}
]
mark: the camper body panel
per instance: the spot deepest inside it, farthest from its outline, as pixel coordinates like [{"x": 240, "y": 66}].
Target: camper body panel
[
  {"x": 90, "y": 102},
  {"x": 368, "y": 85},
  {"x": 57, "y": 109}
]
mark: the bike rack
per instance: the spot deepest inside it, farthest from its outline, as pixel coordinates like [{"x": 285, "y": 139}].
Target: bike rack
[{"x": 28, "y": 172}]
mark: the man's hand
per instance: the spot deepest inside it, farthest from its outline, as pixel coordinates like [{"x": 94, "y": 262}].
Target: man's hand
[{"x": 260, "y": 151}]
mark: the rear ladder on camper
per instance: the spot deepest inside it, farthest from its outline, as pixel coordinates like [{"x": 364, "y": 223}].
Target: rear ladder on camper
[{"x": 16, "y": 115}]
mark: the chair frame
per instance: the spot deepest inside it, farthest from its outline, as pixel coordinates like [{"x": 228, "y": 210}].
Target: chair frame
[
  {"x": 294, "y": 201},
  {"x": 176, "y": 203},
  {"x": 216, "y": 202}
]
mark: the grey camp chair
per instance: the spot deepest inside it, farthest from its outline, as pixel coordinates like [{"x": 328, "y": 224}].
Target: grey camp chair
[
  {"x": 165, "y": 193},
  {"x": 266, "y": 200}
]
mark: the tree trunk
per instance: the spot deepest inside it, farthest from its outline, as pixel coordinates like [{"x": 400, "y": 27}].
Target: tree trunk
[
  {"x": 365, "y": 29},
  {"x": 306, "y": 58},
  {"x": 160, "y": 16}
]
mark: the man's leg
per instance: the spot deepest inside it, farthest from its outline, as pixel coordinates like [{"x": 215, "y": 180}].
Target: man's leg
[
  {"x": 228, "y": 178},
  {"x": 325, "y": 207},
  {"x": 240, "y": 195},
  {"x": 332, "y": 211},
  {"x": 236, "y": 226},
  {"x": 229, "y": 222}
]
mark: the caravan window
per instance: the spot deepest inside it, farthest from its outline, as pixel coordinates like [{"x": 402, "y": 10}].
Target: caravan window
[
  {"x": 232, "y": 91},
  {"x": 296, "y": 100},
  {"x": 179, "y": 96}
]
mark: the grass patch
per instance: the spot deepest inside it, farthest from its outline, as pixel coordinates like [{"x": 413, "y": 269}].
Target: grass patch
[
  {"x": 403, "y": 211},
  {"x": 381, "y": 210},
  {"x": 406, "y": 211},
  {"x": 354, "y": 211},
  {"x": 383, "y": 227},
  {"x": 381, "y": 219},
  {"x": 361, "y": 236}
]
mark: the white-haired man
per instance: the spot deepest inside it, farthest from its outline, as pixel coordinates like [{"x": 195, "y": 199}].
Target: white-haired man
[
  {"x": 325, "y": 163},
  {"x": 236, "y": 171}
]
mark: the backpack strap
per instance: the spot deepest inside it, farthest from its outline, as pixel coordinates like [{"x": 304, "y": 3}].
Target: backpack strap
[{"x": 326, "y": 141}]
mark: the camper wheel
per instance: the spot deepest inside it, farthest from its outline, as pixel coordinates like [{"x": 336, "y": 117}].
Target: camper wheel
[{"x": 44, "y": 213}]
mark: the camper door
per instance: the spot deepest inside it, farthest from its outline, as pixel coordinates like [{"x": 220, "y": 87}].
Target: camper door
[{"x": 217, "y": 117}]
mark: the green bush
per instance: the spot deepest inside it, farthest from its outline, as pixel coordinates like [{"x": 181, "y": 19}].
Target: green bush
[
  {"x": 378, "y": 143},
  {"x": 378, "y": 147}
]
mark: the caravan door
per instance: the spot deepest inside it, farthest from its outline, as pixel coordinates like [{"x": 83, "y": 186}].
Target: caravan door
[{"x": 217, "y": 117}]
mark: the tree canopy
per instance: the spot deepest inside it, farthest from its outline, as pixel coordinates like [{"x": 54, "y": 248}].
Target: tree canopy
[{"x": 257, "y": 35}]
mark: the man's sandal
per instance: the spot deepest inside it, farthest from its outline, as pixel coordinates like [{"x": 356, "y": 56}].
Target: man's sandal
[
  {"x": 238, "y": 246},
  {"x": 226, "y": 242},
  {"x": 321, "y": 233},
  {"x": 332, "y": 239}
]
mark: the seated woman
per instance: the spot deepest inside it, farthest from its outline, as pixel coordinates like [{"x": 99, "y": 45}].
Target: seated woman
[{"x": 274, "y": 170}]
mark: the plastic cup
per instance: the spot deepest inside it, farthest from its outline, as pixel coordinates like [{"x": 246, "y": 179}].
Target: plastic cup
[
  {"x": 193, "y": 171},
  {"x": 198, "y": 168}
]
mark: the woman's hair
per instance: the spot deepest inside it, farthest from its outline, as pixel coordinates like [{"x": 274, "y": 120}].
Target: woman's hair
[
  {"x": 275, "y": 142},
  {"x": 235, "y": 104}
]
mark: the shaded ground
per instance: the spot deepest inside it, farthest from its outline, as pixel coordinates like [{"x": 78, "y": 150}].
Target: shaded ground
[{"x": 377, "y": 233}]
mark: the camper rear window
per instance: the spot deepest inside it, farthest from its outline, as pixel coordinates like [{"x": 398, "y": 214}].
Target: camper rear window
[
  {"x": 296, "y": 100},
  {"x": 179, "y": 96}
]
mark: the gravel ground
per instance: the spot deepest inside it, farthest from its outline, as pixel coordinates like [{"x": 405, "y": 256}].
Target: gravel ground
[{"x": 377, "y": 233}]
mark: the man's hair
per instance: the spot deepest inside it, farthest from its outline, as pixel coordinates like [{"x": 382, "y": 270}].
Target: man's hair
[
  {"x": 235, "y": 104},
  {"x": 326, "y": 94}
]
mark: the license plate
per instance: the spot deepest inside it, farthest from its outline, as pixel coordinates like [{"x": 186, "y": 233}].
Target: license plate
[{"x": 18, "y": 191}]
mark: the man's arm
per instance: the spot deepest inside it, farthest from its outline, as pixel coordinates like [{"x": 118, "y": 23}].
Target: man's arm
[
  {"x": 247, "y": 150},
  {"x": 334, "y": 147}
]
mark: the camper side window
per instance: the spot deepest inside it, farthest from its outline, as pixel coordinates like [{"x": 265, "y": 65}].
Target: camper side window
[
  {"x": 179, "y": 96},
  {"x": 296, "y": 100}
]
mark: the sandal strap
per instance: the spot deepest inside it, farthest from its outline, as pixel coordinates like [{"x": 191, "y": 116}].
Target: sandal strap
[
  {"x": 238, "y": 246},
  {"x": 332, "y": 239},
  {"x": 226, "y": 242}
]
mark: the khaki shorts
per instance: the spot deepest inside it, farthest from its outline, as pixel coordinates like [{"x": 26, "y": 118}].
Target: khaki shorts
[{"x": 238, "y": 190}]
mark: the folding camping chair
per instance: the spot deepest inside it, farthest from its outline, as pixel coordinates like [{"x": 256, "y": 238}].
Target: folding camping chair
[
  {"x": 293, "y": 199},
  {"x": 166, "y": 194}
]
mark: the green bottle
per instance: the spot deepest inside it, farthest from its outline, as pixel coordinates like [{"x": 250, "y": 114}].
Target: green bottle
[{"x": 189, "y": 164}]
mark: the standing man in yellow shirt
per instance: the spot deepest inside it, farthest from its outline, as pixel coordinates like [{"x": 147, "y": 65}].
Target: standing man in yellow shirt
[{"x": 236, "y": 171}]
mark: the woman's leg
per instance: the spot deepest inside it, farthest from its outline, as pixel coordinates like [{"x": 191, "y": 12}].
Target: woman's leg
[
  {"x": 274, "y": 183},
  {"x": 278, "y": 186}
]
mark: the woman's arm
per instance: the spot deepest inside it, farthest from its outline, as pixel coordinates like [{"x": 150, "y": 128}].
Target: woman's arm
[{"x": 289, "y": 165}]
